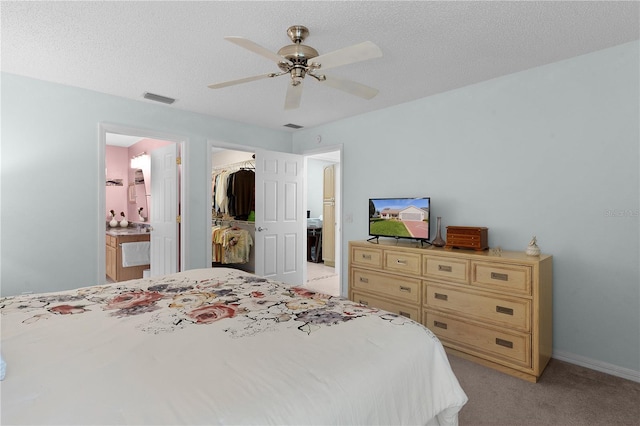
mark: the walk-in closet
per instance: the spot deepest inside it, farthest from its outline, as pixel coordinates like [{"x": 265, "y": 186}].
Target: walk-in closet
[{"x": 233, "y": 209}]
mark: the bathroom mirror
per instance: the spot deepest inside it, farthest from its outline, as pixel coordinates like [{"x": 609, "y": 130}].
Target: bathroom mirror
[{"x": 140, "y": 193}]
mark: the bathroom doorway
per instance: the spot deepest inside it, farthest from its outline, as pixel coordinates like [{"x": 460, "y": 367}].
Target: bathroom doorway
[{"x": 127, "y": 195}]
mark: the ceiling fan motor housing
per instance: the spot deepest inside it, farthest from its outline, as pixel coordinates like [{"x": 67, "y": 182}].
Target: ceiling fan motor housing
[{"x": 298, "y": 53}]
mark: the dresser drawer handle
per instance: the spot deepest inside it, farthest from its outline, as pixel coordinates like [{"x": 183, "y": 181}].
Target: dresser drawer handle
[
  {"x": 505, "y": 343},
  {"x": 363, "y": 280},
  {"x": 441, "y": 296},
  {"x": 366, "y": 256},
  {"x": 404, "y": 314},
  {"x": 405, "y": 289},
  {"x": 444, "y": 268},
  {"x": 498, "y": 276},
  {"x": 440, "y": 324},
  {"x": 363, "y": 302},
  {"x": 401, "y": 262},
  {"x": 503, "y": 310}
]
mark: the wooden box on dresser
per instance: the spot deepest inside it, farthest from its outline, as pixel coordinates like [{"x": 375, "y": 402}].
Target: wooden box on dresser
[{"x": 494, "y": 309}]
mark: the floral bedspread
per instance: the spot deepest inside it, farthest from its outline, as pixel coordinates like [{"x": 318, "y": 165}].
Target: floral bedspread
[
  {"x": 171, "y": 303},
  {"x": 217, "y": 346}
]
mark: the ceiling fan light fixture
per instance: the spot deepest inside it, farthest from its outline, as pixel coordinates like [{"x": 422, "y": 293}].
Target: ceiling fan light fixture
[{"x": 297, "y": 75}]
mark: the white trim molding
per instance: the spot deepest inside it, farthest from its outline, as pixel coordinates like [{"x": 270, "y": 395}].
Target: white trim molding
[{"x": 603, "y": 367}]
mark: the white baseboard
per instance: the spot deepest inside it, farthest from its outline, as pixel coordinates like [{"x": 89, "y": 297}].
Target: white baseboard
[{"x": 603, "y": 367}]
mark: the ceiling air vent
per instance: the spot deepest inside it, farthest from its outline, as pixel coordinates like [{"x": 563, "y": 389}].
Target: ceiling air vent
[
  {"x": 158, "y": 98},
  {"x": 293, "y": 126}
]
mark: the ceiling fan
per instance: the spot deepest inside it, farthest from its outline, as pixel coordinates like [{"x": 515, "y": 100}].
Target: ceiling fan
[{"x": 299, "y": 60}]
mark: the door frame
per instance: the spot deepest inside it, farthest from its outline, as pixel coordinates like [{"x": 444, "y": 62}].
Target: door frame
[
  {"x": 338, "y": 207},
  {"x": 307, "y": 153},
  {"x": 183, "y": 208}
]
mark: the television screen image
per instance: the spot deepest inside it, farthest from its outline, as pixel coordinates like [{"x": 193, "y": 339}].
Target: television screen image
[{"x": 399, "y": 217}]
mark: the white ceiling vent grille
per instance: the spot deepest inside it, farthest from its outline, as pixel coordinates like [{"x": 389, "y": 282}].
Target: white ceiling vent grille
[{"x": 158, "y": 98}]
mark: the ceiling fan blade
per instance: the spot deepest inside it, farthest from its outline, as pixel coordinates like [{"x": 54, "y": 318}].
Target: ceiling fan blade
[
  {"x": 239, "y": 81},
  {"x": 351, "y": 87},
  {"x": 347, "y": 55},
  {"x": 256, "y": 48},
  {"x": 294, "y": 93}
]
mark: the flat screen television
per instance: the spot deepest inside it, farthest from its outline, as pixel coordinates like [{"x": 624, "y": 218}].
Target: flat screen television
[{"x": 399, "y": 218}]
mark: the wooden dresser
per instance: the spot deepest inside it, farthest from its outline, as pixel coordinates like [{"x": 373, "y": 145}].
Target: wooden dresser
[{"x": 493, "y": 309}]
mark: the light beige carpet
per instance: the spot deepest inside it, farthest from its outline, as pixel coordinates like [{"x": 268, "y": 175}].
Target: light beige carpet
[{"x": 566, "y": 394}]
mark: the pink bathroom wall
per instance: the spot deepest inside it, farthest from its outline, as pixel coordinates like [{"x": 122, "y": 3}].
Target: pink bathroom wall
[{"x": 117, "y": 165}]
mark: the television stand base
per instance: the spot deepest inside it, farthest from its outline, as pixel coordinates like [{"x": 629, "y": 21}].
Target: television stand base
[
  {"x": 423, "y": 242},
  {"x": 374, "y": 238}
]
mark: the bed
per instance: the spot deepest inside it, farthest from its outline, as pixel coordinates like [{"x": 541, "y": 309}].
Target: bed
[{"x": 218, "y": 346}]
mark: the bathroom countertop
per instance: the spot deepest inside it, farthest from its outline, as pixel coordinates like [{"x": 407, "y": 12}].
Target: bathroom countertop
[{"x": 116, "y": 231}]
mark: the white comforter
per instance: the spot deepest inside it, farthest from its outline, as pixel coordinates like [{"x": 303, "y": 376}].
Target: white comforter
[{"x": 217, "y": 346}]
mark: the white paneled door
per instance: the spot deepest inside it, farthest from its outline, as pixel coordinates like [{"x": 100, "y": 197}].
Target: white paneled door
[
  {"x": 280, "y": 220},
  {"x": 164, "y": 210}
]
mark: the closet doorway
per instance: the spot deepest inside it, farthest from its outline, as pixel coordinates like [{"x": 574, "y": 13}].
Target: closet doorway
[
  {"x": 322, "y": 277},
  {"x": 231, "y": 208},
  {"x": 279, "y": 227}
]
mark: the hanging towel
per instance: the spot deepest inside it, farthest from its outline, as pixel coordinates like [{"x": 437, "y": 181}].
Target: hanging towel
[{"x": 135, "y": 254}]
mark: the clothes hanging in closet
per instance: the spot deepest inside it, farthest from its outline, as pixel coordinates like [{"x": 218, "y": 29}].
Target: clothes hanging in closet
[
  {"x": 230, "y": 244},
  {"x": 234, "y": 193},
  {"x": 241, "y": 191}
]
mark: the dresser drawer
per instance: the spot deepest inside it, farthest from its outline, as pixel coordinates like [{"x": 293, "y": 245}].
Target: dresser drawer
[
  {"x": 456, "y": 270},
  {"x": 501, "y": 311},
  {"x": 512, "y": 278},
  {"x": 403, "y": 288},
  {"x": 465, "y": 239},
  {"x": 411, "y": 312},
  {"x": 408, "y": 263},
  {"x": 366, "y": 257},
  {"x": 475, "y": 339}
]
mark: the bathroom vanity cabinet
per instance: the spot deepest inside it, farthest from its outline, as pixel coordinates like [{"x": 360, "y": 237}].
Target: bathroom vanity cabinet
[{"x": 114, "y": 268}]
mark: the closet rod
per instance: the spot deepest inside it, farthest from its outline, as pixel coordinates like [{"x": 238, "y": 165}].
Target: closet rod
[
  {"x": 239, "y": 164},
  {"x": 231, "y": 222}
]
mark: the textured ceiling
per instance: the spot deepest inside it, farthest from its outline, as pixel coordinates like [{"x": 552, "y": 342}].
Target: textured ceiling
[{"x": 177, "y": 48}]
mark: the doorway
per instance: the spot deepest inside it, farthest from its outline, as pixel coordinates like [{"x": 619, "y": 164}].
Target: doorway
[
  {"x": 131, "y": 199},
  {"x": 234, "y": 153},
  {"x": 323, "y": 200},
  {"x": 277, "y": 218}
]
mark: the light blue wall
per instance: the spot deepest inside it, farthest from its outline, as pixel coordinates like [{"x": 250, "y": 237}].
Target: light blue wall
[
  {"x": 50, "y": 175},
  {"x": 551, "y": 152}
]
